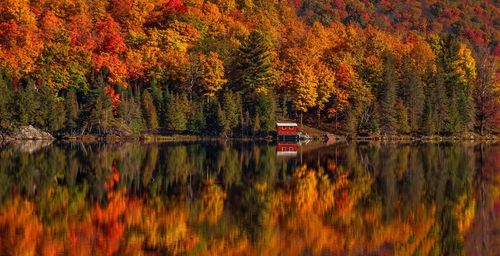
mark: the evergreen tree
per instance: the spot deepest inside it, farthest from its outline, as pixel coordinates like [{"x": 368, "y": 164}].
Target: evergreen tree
[
  {"x": 25, "y": 104},
  {"x": 429, "y": 116},
  {"x": 256, "y": 125},
  {"x": 98, "y": 111},
  {"x": 176, "y": 112},
  {"x": 388, "y": 114},
  {"x": 458, "y": 65},
  {"x": 253, "y": 67},
  {"x": 454, "y": 124},
  {"x": 231, "y": 104},
  {"x": 56, "y": 118},
  {"x": 72, "y": 110},
  {"x": 440, "y": 103},
  {"x": 158, "y": 99},
  {"x": 253, "y": 76},
  {"x": 5, "y": 103},
  {"x": 265, "y": 109},
  {"x": 149, "y": 111},
  {"x": 412, "y": 91},
  {"x": 130, "y": 111},
  {"x": 223, "y": 124},
  {"x": 196, "y": 122},
  {"x": 402, "y": 117},
  {"x": 49, "y": 113}
]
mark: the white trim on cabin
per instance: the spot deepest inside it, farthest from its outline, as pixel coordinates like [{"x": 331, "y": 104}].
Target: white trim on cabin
[{"x": 286, "y": 124}]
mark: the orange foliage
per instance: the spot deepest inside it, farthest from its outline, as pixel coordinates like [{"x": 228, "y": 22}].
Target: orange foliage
[{"x": 20, "y": 228}]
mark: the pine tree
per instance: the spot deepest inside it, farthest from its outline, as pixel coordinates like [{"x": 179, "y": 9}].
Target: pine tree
[
  {"x": 412, "y": 90},
  {"x": 402, "y": 117},
  {"x": 158, "y": 100},
  {"x": 25, "y": 104},
  {"x": 176, "y": 112},
  {"x": 149, "y": 111},
  {"x": 231, "y": 104},
  {"x": 223, "y": 124},
  {"x": 440, "y": 103},
  {"x": 388, "y": 113},
  {"x": 56, "y": 118},
  {"x": 256, "y": 128},
  {"x": 458, "y": 65},
  {"x": 72, "y": 110},
  {"x": 429, "y": 116},
  {"x": 130, "y": 111},
  {"x": 265, "y": 109},
  {"x": 5, "y": 103},
  {"x": 454, "y": 124},
  {"x": 197, "y": 121},
  {"x": 253, "y": 67},
  {"x": 99, "y": 110},
  {"x": 253, "y": 73}
]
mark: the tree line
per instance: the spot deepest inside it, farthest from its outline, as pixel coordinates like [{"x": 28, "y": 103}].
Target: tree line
[{"x": 207, "y": 67}]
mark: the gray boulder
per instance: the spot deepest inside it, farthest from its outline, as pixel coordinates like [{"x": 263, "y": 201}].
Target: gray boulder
[{"x": 28, "y": 133}]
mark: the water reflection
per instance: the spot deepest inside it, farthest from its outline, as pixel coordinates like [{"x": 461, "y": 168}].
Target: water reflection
[{"x": 240, "y": 198}]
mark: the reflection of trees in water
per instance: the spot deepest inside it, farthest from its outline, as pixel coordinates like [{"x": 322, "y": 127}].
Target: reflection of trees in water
[{"x": 220, "y": 198}]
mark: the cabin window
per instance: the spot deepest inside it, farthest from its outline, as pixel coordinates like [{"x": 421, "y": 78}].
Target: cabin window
[{"x": 290, "y": 149}]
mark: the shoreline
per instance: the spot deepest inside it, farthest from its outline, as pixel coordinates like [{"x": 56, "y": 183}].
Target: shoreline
[{"x": 30, "y": 133}]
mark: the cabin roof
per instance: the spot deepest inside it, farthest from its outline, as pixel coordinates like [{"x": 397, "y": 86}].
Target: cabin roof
[{"x": 286, "y": 124}]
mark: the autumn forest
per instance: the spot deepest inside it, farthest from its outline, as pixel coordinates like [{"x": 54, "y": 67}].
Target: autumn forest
[{"x": 235, "y": 67}]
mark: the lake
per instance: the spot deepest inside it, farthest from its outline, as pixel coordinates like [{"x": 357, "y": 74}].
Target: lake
[{"x": 233, "y": 198}]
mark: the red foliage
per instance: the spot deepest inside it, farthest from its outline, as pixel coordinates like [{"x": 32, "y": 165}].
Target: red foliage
[
  {"x": 295, "y": 3},
  {"x": 237, "y": 15},
  {"x": 175, "y": 5},
  {"x": 121, "y": 8},
  {"x": 452, "y": 13},
  {"x": 108, "y": 36},
  {"x": 339, "y": 4},
  {"x": 115, "y": 99},
  {"x": 343, "y": 75},
  {"x": 51, "y": 24},
  {"x": 496, "y": 51},
  {"x": 9, "y": 32},
  {"x": 474, "y": 35},
  {"x": 81, "y": 27}
]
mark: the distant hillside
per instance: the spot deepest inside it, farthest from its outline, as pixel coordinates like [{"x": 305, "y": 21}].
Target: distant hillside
[{"x": 476, "y": 21}]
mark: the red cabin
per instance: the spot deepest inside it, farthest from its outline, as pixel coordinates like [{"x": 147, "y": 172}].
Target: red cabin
[
  {"x": 286, "y": 149},
  {"x": 287, "y": 129}
]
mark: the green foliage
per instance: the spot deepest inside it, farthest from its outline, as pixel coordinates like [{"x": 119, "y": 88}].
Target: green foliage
[
  {"x": 5, "y": 103},
  {"x": 231, "y": 104},
  {"x": 72, "y": 110},
  {"x": 130, "y": 111},
  {"x": 98, "y": 116},
  {"x": 412, "y": 90},
  {"x": 265, "y": 110},
  {"x": 402, "y": 117},
  {"x": 149, "y": 110},
  {"x": 177, "y": 112},
  {"x": 25, "y": 104},
  {"x": 197, "y": 122},
  {"x": 388, "y": 113},
  {"x": 252, "y": 68}
]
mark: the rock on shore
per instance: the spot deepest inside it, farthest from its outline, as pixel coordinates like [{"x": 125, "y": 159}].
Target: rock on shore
[{"x": 27, "y": 133}]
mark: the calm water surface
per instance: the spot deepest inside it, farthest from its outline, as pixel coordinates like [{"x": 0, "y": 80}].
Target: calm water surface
[{"x": 218, "y": 198}]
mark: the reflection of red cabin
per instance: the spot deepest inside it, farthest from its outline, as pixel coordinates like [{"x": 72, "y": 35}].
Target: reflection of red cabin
[
  {"x": 286, "y": 149},
  {"x": 287, "y": 128}
]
